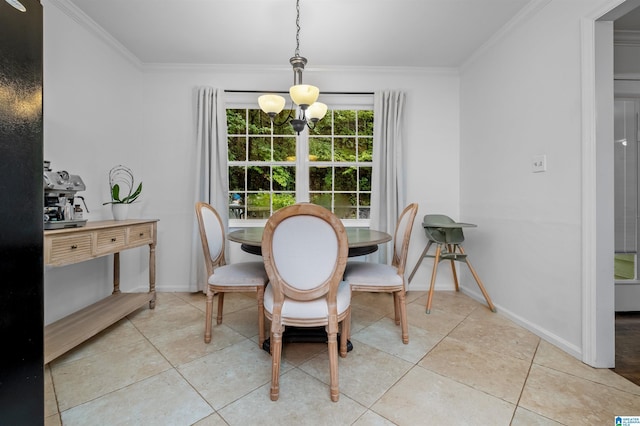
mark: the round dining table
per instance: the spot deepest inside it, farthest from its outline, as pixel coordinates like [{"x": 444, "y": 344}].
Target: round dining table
[{"x": 362, "y": 241}]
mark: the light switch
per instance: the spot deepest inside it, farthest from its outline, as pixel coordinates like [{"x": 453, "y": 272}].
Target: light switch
[{"x": 539, "y": 164}]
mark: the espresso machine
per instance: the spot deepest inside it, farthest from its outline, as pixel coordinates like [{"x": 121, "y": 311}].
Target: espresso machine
[{"x": 60, "y": 193}]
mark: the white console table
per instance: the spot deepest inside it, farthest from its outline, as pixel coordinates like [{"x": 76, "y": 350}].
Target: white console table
[{"x": 96, "y": 239}]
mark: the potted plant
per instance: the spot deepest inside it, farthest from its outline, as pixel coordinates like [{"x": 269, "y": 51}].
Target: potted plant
[{"x": 123, "y": 191}]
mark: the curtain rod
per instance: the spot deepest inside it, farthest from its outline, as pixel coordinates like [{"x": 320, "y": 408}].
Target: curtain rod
[{"x": 283, "y": 92}]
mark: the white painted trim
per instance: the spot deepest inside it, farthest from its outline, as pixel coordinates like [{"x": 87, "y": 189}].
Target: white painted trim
[
  {"x": 589, "y": 257},
  {"x": 261, "y": 69},
  {"x": 543, "y": 333},
  {"x": 530, "y": 10},
  {"x": 73, "y": 12}
]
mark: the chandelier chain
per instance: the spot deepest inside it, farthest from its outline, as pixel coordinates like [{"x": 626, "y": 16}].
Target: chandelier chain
[{"x": 297, "y": 53}]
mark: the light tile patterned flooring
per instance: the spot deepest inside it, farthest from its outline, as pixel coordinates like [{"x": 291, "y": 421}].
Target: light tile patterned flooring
[{"x": 463, "y": 365}]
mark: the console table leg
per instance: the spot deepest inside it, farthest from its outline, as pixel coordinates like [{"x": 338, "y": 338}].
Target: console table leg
[
  {"x": 116, "y": 273},
  {"x": 152, "y": 275}
]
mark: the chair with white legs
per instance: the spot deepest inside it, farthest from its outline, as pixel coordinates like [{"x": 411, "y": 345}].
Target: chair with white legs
[
  {"x": 223, "y": 278},
  {"x": 383, "y": 278},
  {"x": 305, "y": 249}
]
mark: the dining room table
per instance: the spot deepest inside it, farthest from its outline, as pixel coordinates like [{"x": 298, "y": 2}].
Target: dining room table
[{"x": 361, "y": 241}]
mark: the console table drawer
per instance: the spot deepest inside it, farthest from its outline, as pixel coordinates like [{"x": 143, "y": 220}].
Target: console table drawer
[
  {"x": 65, "y": 250},
  {"x": 110, "y": 240},
  {"x": 141, "y": 234}
]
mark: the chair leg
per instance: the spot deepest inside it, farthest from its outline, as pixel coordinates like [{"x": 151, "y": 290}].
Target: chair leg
[
  {"x": 396, "y": 307},
  {"x": 436, "y": 260},
  {"x": 260, "y": 297},
  {"x": 477, "y": 278},
  {"x": 452, "y": 249},
  {"x": 276, "y": 351},
  {"x": 345, "y": 334},
  {"x": 424, "y": 253},
  {"x": 333, "y": 365},
  {"x": 402, "y": 302},
  {"x": 208, "y": 316},
  {"x": 220, "y": 305}
]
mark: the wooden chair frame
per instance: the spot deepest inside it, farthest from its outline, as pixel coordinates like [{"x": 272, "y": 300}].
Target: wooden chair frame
[
  {"x": 328, "y": 288},
  {"x": 212, "y": 263},
  {"x": 399, "y": 261}
]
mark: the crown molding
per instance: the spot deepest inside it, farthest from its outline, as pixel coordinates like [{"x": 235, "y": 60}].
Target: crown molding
[
  {"x": 261, "y": 69},
  {"x": 530, "y": 10},
  {"x": 626, "y": 38},
  {"x": 73, "y": 12}
]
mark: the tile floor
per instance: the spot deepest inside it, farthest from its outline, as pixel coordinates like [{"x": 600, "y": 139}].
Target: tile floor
[{"x": 463, "y": 365}]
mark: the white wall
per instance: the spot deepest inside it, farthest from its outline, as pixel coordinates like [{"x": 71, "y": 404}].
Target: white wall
[
  {"x": 520, "y": 98},
  {"x": 91, "y": 123},
  {"x": 102, "y": 110}
]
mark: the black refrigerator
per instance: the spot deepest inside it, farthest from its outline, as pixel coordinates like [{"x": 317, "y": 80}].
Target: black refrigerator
[{"x": 21, "y": 214}]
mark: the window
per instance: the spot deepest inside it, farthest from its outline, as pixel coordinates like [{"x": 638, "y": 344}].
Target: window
[{"x": 271, "y": 167}]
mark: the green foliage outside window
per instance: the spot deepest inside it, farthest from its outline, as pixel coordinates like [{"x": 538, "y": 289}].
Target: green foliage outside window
[{"x": 262, "y": 171}]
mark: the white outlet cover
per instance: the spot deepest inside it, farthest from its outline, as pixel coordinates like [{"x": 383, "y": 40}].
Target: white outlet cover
[{"x": 539, "y": 163}]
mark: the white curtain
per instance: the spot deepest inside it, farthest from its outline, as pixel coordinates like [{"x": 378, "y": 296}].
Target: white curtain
[
  {"x": 211, "y": 171},
  {"x": 388, "y": 179}
]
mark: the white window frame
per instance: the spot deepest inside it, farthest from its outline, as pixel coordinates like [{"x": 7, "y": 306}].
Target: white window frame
[{"x": 249, "y": 100}]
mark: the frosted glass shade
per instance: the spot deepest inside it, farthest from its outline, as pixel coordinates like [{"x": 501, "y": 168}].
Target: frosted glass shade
[
  {"x": 304, "y": 94},
  {"x": 316, "y": 111},
  {"x": 271, "y": 104}
]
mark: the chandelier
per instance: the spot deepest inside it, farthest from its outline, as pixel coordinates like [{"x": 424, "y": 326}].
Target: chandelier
[{"x": 303, "y": 95}]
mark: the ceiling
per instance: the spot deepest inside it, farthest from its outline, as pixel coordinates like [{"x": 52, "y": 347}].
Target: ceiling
[{"x": 371, "y": 33}]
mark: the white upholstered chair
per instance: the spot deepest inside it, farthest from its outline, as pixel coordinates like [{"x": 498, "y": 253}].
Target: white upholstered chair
[
  {"x": 305, "y": 249},
  {"x": 223, "y": 278},
  {"x": 383, "y": 278}
]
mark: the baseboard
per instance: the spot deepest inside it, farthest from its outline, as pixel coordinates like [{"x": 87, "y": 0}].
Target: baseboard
[{"x": 544, "y": 334}]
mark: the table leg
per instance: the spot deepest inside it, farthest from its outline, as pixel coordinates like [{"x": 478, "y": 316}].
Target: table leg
[
  {"x": 152, "y": 275},
  {"x": 116, "y": 273}
]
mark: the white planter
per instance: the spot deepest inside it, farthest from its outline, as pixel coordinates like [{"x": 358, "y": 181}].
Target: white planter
[{"x": 120, "y": 211}]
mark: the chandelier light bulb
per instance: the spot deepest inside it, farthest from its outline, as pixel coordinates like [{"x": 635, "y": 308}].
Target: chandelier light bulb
[
  {"x": 304, "y": 95},
  {"x": 316, "y": 111},
  {"x": 271, "y": 104}
]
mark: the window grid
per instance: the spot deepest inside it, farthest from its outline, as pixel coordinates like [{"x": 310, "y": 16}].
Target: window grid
[{"x": 265, "y": 186}]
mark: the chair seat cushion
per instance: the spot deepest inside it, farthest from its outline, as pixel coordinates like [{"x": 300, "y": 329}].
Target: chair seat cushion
[
  {"x": 309, "y": 310},
  {"x": 372, "y": 274},
  {"x": 238, "y": 274}
]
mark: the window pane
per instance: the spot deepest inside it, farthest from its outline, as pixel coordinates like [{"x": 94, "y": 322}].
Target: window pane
[
  {"x": 284, "y": 178},
  {"x": 258, "y": 178},
  {"x": 365, "y": 149},
  {"x": 320, "y": 178},
  {"x": 321, "y": 148},
  {"x": 236, "y": 206},
  {"x": 345, "y": 179},
  {"x": 345, "y": 206},
  {"x": 344, "y": 122},
  {"x": 236, "y": 123},
  {"x": 259, "y": 123},
  {"x": 323, "y": 127},
  {"x": 259, "y": 149},
  {"x": 236, "y": 179},
  {"x": 365, "y": 123},
  {"x": 281, "y": 200},
  {"x": 284, "y": 149},
  {"x": 323, "y": 200},
  {"x": 237, "y": 149},
  {"x": 365, "y": 179},
  {"x": 345, "y": 149},
  {"x": 259, "y": 205}
]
